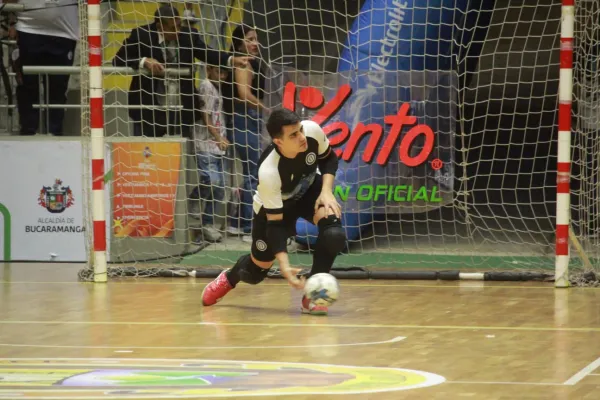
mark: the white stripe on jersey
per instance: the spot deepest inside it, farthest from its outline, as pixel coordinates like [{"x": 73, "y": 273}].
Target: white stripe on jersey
[
  {"x": 313, "y": 130},
  {"x": 268, "y": 194}
]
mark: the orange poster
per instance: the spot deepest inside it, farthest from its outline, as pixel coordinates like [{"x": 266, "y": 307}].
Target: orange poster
[{"x": 145, "y": 178}]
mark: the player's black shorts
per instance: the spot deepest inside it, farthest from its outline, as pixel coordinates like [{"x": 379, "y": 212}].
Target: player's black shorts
[{"x": 303, "y": 207}]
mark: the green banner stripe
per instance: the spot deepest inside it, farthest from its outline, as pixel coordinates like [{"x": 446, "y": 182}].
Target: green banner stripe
[{"x": 7, "y": 230}]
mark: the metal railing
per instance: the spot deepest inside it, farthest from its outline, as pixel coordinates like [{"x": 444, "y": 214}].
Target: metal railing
[
  {"x": 107, "y": 70},
  {"x": 44, "y": 105},
  {"x": 12, "y": 7}
]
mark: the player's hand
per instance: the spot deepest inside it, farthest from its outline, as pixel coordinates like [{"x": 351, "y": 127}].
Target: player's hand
[
  {"x": 291, "y": 274},
  {"x": 328, "y": 201}
]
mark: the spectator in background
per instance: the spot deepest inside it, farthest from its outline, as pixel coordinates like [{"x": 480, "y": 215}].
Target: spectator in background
[
  {"x": 210, "y": 139},
  {"x": 189, "y": 19},
  {"x": 46, "y": 35},
  {"x": 168, "y": 100},
  {"x": 248, "y": 113}
]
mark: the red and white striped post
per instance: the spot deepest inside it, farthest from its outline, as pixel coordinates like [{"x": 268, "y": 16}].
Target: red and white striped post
[
  {"x": 563, "y": 172},
  {"x": 97, "y": 138}
]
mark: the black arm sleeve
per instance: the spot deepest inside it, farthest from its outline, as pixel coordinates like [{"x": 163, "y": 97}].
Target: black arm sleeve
[
  {"x": 207, "y": 54},
  {"x": 276, "y": 236},
  {"x": 129, "y": 53},
  {"x": 329, "y": 163}
]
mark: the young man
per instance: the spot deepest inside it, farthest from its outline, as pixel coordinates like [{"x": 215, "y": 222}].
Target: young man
[{"x": 288, "y": 188}]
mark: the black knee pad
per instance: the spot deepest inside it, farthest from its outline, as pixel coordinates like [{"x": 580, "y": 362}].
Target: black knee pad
[
  {"x": 332, "y": 235},
  {"x": 249, "y": 272}
]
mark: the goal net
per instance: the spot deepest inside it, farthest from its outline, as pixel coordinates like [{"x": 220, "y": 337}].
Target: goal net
[{"x": 444, "y": 115}]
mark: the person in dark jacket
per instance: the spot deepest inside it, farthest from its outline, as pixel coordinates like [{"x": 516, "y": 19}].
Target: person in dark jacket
[{"x": 167, "y": 101}]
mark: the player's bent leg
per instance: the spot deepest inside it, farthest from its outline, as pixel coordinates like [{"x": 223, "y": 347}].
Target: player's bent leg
[
  {"x": 330, "y": 242},
  {"x": 247, "y": 269}
]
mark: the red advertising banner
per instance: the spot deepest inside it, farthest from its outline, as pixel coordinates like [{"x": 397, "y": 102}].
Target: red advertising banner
[{"x": 145, "y": 178}]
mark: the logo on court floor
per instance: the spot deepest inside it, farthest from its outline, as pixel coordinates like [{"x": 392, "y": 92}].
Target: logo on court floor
[{"x": 169, "y": 378}]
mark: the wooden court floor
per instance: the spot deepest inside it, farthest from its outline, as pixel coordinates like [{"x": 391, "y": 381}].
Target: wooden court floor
[{"x": 60, "y": 338}]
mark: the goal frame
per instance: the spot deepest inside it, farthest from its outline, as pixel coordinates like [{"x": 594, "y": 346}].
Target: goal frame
[{"x": 98, "y": 240}]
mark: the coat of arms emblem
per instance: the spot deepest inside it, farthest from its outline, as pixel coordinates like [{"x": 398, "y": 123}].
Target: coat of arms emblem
[{"x": 56, "y": 198}]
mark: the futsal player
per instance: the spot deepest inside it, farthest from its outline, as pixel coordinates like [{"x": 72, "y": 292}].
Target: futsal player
[{"x": 289, "y": 187}]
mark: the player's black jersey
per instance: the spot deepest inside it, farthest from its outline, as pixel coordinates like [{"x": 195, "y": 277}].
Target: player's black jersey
[{"x": 282, "y": 179}]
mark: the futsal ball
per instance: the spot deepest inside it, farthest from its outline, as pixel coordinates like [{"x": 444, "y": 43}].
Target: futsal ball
[{"x": 322, "y": 289}]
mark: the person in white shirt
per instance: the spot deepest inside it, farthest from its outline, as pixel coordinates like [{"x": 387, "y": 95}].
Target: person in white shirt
[
  {"x": 47, "y": 33},
  {"x": 211, "y": 146}
]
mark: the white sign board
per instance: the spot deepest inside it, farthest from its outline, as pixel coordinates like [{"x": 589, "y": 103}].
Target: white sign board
[{"x": 41, "y": 188}]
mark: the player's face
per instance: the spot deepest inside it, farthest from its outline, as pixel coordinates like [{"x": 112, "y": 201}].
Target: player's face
[{"x": 293, "y": 140}]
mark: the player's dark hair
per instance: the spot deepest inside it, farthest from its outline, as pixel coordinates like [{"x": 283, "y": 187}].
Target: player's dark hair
[{"x": 280, "y": 118}]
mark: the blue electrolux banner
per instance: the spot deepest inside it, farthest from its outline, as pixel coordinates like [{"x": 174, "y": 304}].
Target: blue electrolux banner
[{"x": 390, "y": 111}]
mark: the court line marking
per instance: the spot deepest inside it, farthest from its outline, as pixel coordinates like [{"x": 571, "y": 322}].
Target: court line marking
[
  {"x": 506, "y": 383},
  {"x": 585, "y": 371},
  {"x": 393, "y": 340},
  {"x": 465, "y": 284},
  {"x": 311, "y": 325}
]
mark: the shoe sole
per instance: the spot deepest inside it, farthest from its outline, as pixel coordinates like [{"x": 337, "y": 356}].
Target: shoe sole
[
  {"x": 208, "y": 305},
  {"x": 306, "y": 311},
  {"x": 204, "y": 290},
  {"x": 202, "y": 297}
]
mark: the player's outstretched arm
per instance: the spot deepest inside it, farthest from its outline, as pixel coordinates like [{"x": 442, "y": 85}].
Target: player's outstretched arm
[
  {"x": 269, "y": 190},
  {"x": 289, "y": 273}
]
